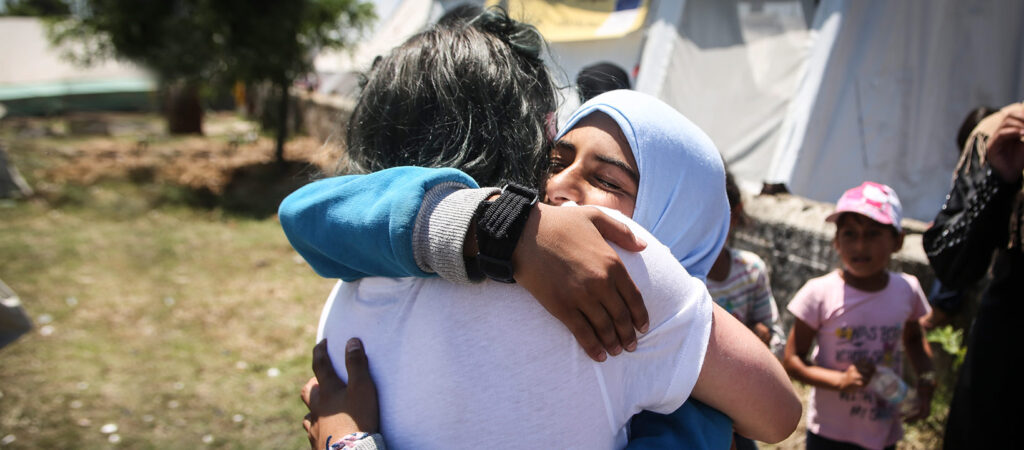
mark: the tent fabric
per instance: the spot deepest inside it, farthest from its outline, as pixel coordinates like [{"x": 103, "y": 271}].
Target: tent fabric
[
  {"x": 869, "y": 90},
  {"x": 397, "y": 20},
  {"x": 578, "y": 20},
  {"x": 732, "y": 68},
  {"x": 887, "y": 86}
]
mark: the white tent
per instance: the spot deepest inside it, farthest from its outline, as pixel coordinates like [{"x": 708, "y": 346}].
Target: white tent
[
  {"x": 871, "y": 90},
  {"x": 396, "y": 21},
  {"x": 887, "y": 87}
]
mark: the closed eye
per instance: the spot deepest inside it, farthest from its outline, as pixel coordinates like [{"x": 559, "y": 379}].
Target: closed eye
[
  {"x": 621, "y": 165},
  {"x": 608, "y": 184},
  {"x": 561, "y": 156},
  {"x": 555, "y": 165}
]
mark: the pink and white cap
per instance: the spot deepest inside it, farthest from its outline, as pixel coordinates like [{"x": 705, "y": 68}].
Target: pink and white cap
[{"x": 875, "y": 200}]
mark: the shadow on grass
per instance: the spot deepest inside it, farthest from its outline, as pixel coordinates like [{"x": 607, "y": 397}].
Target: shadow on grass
[
  {"x": 256, "y": 190},
  {"x": 251, "y": 191}
]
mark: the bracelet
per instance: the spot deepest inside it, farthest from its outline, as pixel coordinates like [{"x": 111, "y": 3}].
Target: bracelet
[{"x": 347, "y": 441}]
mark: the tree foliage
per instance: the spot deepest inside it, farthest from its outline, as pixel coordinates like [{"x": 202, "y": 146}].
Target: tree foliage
[
  {"x": 176, "y": 39},
  {"x": 42, "y": 8},
  {"x": 277, "y": 41},
  {"x": 203, "y": 41},
  {"x": 251, "y": 40}
]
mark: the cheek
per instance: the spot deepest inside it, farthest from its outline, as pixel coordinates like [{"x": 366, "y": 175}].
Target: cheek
[
  {"x": 886, "y": 245},
  {"x": 838, "y": 243},
  {"x": 620, "y": 203}
]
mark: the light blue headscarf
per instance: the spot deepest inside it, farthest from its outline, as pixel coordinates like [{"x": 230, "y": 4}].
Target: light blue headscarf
[{"x": 681, "y": 199}]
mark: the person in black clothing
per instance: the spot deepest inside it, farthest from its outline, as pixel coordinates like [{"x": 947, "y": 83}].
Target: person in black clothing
[
  {"x": 982, "y": 215},
  {"x": 946, "y": 301}
]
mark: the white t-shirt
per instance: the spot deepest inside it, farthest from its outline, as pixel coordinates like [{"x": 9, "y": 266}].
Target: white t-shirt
[{"x": 485, "y": 366}]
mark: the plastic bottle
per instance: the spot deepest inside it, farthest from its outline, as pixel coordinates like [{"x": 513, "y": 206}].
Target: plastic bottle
[{"x": 888, "y": 386}]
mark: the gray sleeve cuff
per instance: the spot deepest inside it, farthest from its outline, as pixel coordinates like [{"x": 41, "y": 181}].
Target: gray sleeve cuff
[{"x": 441, "y": 227}]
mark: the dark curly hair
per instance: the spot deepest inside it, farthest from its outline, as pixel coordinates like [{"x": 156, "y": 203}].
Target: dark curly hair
[
  {"x": 470, "y": 93},
  {"x": 599, "y": 78}
]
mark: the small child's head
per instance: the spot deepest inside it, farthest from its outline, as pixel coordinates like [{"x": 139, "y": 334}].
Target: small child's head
[
  {"x": 737, "y": 218},
  {"x": 599, "y": 78},
  {"x": 868, "y": 229}
]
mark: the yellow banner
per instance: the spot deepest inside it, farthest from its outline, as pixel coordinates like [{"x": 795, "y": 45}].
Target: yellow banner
[{"x": 578, "y": 20}]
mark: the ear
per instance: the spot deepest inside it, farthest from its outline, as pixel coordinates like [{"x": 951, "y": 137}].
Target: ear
[{"x": 899, "y": 240}]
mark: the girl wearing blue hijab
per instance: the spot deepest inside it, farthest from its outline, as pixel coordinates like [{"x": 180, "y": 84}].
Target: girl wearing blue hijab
[{"x": 633, "y": 153}]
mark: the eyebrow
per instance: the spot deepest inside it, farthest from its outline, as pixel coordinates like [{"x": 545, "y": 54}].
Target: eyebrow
[
  {"x": 620, "y": 164},
  {"x": 562, "y": 143}
]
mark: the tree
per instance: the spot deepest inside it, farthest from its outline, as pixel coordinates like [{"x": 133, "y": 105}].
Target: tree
[
  {"x": 43, "y": 8},
  {"x": 275, "y": 45},
  {"x": 191, "y": 42}
]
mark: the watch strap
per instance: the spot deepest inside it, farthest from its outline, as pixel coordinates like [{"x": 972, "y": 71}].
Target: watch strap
[{"x": 500, "y": 224}]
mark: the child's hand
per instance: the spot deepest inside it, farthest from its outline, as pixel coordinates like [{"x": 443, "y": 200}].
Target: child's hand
[
  {"x": 1006, "y": 147},
  {"x": 337, "y": 409},
  {"x": 856, "y": 376},
  {"x": 925, "y": 389},
  {"x": 851, "y": 380},
  {"x": 866, "y": 368}
]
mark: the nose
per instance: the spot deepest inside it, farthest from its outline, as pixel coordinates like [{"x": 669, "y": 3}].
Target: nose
[{"x": 564, "y": 186}]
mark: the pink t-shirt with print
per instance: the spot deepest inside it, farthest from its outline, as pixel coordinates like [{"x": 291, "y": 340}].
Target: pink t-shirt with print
[{"x": 853, "y": 325}]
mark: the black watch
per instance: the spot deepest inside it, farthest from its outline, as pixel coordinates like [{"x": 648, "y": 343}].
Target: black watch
[{"x": 498, "y": 226}]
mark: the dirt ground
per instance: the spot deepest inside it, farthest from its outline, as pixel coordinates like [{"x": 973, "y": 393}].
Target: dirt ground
[{"x": 138, "y": 152}]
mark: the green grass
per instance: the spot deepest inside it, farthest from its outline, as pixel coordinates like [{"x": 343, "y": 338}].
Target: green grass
[
  {"x": 163, "y": 319},
  {"x": 179, "y": 315}
]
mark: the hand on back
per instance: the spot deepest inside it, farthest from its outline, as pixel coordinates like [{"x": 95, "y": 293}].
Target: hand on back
[
  {"x": 337, "y": 409},
  {"x": 563, "y": 260},
  {"x": 1006, "y": 147}
]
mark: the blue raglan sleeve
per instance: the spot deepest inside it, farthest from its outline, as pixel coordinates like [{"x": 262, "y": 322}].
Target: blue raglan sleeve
[{"x": 355, "y": 226}]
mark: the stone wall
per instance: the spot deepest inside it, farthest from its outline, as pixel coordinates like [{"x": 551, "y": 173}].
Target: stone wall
[{"x": 322, "y": 116}]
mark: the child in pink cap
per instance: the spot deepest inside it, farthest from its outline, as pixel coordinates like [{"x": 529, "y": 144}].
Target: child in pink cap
[{"x": 863, "y": 316}]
